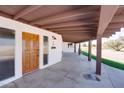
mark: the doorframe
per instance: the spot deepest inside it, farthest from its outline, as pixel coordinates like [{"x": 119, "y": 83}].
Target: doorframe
[{"x": 39, "y": 39}]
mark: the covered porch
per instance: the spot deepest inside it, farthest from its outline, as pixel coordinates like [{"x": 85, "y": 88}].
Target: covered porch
[
  {"x": 74, "y": 24},
  {"x": 73, "y": 71}
]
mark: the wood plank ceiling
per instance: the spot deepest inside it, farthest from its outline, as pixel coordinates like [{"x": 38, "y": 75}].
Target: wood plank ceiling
[{"x": 76, "y": 23}]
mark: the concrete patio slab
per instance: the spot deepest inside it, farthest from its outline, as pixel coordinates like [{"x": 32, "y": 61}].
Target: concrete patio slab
[{"x": 73, "y": 72}]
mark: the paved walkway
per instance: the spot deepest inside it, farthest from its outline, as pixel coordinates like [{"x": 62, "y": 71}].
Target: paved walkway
[{"x": 73, "y": 72}]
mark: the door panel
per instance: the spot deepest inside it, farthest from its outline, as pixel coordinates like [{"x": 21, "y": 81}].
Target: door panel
[{"x": 30, "y": 52}]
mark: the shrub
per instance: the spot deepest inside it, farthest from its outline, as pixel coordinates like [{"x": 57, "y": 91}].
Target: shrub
[{"x": 116, "y": 45}]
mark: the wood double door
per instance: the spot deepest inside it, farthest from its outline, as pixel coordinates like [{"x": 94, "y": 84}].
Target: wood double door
[{"x": 30, "y": 52}]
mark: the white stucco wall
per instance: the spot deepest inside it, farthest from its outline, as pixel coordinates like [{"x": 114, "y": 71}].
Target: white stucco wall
[
  {"x": 66, "y": 49},
  {"x": 55, "y": 55},
  {"x": 70, "y": 49}
]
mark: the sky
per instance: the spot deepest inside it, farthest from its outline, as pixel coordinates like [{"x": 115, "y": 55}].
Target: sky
[{"x": 118, "y": 34}]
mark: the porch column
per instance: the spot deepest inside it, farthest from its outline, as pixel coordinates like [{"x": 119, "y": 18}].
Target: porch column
[
  {"x": 98, "y": 57},
  {"x": 79, "y": 49},
  {"x": 89, "y": 50},
  {"x": 74, "y": 47}
]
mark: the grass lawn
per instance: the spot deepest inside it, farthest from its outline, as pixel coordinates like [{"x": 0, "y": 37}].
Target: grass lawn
[
  {"x": 108, "y": 54},
  {"x": 108, "y": 61}
]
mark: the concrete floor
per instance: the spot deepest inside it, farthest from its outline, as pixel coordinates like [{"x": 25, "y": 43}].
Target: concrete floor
[{"x": 73, "y": 72}]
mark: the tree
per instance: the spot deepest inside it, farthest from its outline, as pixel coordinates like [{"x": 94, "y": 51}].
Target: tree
[
  {"x": 84, "y": 45},
  {"x": 117, "y": 44},
  {"x": 121, "y": 39},
  {"x": 94, "y": 45}
]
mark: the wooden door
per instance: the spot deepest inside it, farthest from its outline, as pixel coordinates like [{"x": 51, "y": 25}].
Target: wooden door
[
  {"x": 34, "y": 52},
  {"x": 30, "y": 49}
]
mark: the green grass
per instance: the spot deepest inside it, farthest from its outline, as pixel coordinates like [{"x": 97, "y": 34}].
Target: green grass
[{"x": 109, "y": 62}]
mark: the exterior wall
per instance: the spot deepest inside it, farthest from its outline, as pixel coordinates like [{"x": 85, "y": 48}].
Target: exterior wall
[
  {"x": 69, "y": 49},
  {"x": 66, "y": 48},
  {"x": 55, "y": 55}
]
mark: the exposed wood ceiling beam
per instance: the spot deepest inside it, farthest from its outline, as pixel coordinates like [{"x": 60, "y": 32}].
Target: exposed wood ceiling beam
[
  {"x": 73, "y": 28},
  {"x": 67, "y": 24},
  {"x": 106, "y": 14},
  {"x": 111, "y": 30},
  {"x": 108, "y": 34},
  {"x": 77, "y": 32},
  {"x": 119, "y": 18},
  {"x": 83, "y": 32},
  {"x": 66, "y": 15},
  {"x": 53, "y": 20},
  {"x": 26, "y": 11},
  {"x": 5, "y": 15},
  {"x": 85, "y": 21},
  {"x": 121, "y": 6},
  {"x": 93, "y": 17},
  {"x": 64, "y": 31},
  {"x": 11, "y": 17},
  {"x": 78, "y": 35},
  {"x": 76, "y": 41},
  {"x": 73, "y": 38},
  {"x": 85, "y": 40},
  {"x": 117, "y": 25}
]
